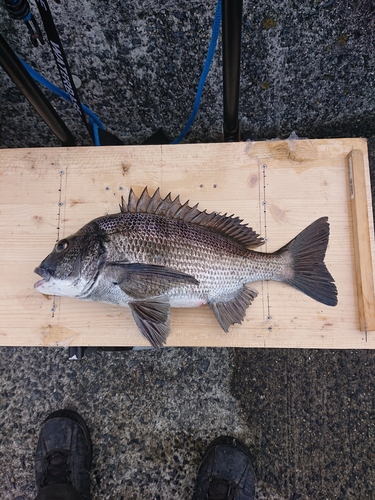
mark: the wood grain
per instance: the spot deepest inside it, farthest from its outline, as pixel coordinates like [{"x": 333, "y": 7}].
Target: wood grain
[
  {"x": 361, "y": 235},
  {"x": 278, "y": 187}
]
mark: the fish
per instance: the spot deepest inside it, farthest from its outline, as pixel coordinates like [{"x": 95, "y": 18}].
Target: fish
[{"x": 157, "y": 254}]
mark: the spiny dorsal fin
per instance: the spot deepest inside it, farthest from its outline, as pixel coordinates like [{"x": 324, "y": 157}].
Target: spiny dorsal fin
[{"x": 173, "y": 209}]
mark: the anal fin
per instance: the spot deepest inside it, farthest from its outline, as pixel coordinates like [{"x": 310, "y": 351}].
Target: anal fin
[
  {"x": 233, "y": 310},
  {"x": 152, "y": 318}
]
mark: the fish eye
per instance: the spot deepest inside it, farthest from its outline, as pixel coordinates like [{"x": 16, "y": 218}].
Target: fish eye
[{"x": 61, "y": 245}]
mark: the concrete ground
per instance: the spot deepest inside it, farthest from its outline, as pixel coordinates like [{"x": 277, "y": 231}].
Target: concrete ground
[{"x": 308, "y": 416}]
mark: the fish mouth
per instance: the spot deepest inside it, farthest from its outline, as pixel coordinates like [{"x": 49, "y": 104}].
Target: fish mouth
[
  {"x": 39, "y": 283},
  {"x": 44, "y": 273}
]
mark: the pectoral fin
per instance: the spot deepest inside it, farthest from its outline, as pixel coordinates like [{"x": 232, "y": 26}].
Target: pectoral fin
[
  {"x": 141, "y": 281},
  {"x": 233, "y": 310},
  {"x": 152, "y": 319}
]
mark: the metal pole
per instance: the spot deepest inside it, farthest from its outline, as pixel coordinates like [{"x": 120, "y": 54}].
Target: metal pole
[
  {"x": 12, "y": 65},
  {"x": 231, "y": 32}
]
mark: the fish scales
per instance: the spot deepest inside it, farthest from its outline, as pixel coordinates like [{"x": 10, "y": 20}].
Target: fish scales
[
  {"x": 157, "y": 253},
  {"x": 215, "y": 260}
]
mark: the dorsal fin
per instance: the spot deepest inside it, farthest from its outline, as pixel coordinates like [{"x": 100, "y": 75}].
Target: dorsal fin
[{"x": 227, "y": 225}]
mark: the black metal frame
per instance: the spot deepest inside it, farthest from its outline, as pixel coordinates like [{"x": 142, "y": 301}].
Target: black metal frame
[
  {"x": 13, "y": 66},
  {"x": 232, "y": 32}
]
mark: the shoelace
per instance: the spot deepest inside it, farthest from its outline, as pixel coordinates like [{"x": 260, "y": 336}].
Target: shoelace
[
  {"x": 221, "y": 489},
  {"x": 56, "y": 470}
]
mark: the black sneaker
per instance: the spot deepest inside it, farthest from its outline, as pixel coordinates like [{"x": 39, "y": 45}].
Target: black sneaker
[
  {"x": 226, "y": 472},
  {"x": 64, "y": 452}
]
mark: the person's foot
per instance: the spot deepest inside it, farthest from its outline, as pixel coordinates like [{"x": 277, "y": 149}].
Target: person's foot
[
  {"x": 64, "y": 452},
  {"x": 226, "y": 472}
]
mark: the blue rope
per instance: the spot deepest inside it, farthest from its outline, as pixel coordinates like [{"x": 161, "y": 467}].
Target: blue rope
[
  {"x": 27, "y": 17},
  {"x": 206, "y": 69},
  {"x": 93, "y": 118},
  {"x": 95, "y": 131}
]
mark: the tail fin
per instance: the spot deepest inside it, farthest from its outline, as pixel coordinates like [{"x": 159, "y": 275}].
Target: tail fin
[{"x": 310, "y": 275}]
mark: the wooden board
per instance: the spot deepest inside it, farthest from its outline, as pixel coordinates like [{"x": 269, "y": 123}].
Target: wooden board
[{"x": 278, "y": 187}]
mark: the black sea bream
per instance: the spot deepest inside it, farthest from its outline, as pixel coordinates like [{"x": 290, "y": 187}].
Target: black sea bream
[{"x": 157, "y": 254}]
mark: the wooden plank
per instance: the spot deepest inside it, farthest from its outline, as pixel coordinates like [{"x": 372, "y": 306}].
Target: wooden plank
[
  {"x": 42, "y": 190},
  {"x": 362, "y": 247}
]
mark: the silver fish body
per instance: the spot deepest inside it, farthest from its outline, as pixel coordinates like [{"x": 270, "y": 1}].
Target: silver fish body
[{"x": 157, "y": 253}]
